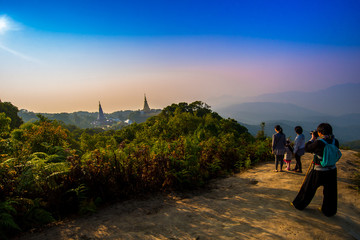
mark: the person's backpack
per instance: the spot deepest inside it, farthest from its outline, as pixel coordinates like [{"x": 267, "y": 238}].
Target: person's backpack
[{"x": 331, "y": 154}]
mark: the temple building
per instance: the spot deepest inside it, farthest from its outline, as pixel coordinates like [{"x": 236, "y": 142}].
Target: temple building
[{"x": 138, "y": 116}]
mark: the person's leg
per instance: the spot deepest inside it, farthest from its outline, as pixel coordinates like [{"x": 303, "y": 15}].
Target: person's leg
[
  {"x": 276, "y": 162},
  {"x": 296, "y": 163},
  {"x": 281, "y": 159},
  {"x": 329, "y": 205},
  {"x": 307, "y": 191},
  {"x": 298, "y": 166}
]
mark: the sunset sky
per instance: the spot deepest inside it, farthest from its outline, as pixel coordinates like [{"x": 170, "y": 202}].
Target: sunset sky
[{"x": 65, "y": 56}]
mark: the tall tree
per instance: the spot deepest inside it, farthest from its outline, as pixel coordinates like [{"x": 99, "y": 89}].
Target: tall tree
[{"x": 12, "y": 112}]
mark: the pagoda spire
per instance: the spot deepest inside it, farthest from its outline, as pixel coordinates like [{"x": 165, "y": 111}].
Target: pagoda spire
[
  {"x": 146, "y": 105},
  {"x": 101, "y": 116}
]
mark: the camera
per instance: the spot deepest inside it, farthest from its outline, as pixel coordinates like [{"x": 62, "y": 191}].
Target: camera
[{"x": 315, "y": 133}]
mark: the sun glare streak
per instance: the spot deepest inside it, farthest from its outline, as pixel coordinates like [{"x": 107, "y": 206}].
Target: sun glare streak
[
  {"x": 7, "y": 24},
  {"x": 18, "y": 54}
]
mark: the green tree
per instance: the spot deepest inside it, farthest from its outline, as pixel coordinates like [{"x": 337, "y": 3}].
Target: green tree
[
  {"x": 12, "y": 112},
  {"x": 261, "y": 134},
  {"x": 4, "y": 125},
  {"x": 41, "y": 136}
]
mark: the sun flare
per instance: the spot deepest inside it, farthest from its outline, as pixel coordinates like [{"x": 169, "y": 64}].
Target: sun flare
[{"x": 3, "y": 24}]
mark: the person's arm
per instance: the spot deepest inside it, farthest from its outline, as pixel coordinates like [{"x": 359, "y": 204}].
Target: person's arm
[
  {"x": 284, "y": 139},
  {"x": 273, "y": 143},
  {"x": 296, "y": 144},
  {"x": 302, "y": 141},
  {"x": 312, "y": 145}
]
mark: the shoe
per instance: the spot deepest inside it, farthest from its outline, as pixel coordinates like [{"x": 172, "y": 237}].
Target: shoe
[
  {"x": 281, "y": 170},
  {"x": 299, "y": 171},
  {"x": 275, "y": 170}
]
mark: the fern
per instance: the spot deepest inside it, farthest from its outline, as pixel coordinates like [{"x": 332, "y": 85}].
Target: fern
[
  {"x": 9, "y": 163},
  {"x": 39, "y": 216},
  {"x": 35, "y": 213},
  {"x": 87, "y": 206},
  {"x": 7, "y": 207},
  {"x": 40, "y": 155},
  {"x": 7, "y": 222}
]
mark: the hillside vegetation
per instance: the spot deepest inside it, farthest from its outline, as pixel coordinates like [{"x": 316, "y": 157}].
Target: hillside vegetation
[{"x": 48, "y": 171}]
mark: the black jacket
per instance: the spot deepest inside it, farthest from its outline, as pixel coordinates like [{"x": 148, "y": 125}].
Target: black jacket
[
  {"x": 317, "y": 147},
  {"x": 278, "y": 143}
]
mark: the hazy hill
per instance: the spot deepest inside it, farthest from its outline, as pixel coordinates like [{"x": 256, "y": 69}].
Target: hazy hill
[
  {"x": 346, "y": 127},
  {"x": 355, "y": 145},
  {"x": 337, "y": 105},
  {"x": 344, "y": 134},
  {"x": 336, "y": 100},
  {"x": 256, "y": 112}
]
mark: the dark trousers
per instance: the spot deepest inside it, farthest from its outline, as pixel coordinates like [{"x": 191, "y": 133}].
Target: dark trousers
[
  {"x": 279, "y": 159},
  {"x": 313, "y": 180},
  {"x": 298, "y": 162}
]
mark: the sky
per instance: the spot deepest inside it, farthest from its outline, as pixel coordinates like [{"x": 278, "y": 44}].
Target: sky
[{"x": 66, "y": 56}]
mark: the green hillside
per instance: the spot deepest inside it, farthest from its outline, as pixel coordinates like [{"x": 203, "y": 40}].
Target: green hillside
[{"x": 48, "y": 171}]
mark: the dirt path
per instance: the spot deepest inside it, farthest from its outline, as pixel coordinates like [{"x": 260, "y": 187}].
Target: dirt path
[{"x": 250, "y": 205}]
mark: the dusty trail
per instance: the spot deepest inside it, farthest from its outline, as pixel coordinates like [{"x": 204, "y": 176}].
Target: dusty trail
[{"x": 251, "y": 205}]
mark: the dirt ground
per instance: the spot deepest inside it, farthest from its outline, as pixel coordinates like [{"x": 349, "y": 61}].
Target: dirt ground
[{"x": 251, "y": 205}]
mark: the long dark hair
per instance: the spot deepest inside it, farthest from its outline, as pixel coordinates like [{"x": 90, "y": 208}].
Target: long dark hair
[{"x": 278, "y": 128}]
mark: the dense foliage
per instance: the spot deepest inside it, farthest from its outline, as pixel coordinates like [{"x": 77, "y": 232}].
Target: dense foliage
[{"x": 48, "y": 170}]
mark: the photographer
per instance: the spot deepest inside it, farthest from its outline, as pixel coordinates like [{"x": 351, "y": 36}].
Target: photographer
[{"x": 319, "y": 175}]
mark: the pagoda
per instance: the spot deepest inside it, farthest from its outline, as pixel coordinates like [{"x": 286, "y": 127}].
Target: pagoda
[
  {"x": 146, "y": 105},
  {"x": 101, "y": 117}
]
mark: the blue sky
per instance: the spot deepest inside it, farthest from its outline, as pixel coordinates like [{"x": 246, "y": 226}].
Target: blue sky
[
  {"x": 323, "y": 22},
  {"x": 67, "y": 55}
]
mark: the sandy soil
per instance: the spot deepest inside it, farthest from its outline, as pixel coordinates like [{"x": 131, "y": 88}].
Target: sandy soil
[{"x": 251, "y": 205}]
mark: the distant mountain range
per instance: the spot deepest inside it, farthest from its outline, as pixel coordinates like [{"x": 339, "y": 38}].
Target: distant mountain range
[{"x": 338, "y": 105}]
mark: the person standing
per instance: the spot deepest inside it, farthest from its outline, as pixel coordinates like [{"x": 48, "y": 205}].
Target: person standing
[
  {"x": 299, "y": 148},
  {"x": 288, "y": 154},
  {"x": 278, "y": 147},
  {"x": 321, "y": 175}
]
